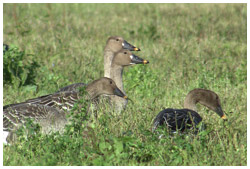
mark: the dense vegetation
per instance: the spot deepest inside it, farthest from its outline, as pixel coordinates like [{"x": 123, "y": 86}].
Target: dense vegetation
[{"x": 188, "y": 45}]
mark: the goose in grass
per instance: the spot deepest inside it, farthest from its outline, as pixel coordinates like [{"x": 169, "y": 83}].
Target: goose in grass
[
  {"x": 188, "y": 118},
  {"x": 122, "y": 59},
  {"x": 65, "y": 100},
  {"x": 113, "y": 45},
  {"x": 50, "y": 115}
]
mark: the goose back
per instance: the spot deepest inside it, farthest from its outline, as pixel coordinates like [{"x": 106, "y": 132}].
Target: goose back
[
  {"x": 177, "y": 119},
  {"x": 72, "y": 87}
]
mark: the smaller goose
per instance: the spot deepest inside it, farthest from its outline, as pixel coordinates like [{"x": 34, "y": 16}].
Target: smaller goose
[
  {"x": 122, "y": 59},
  {"x": 66, "y": 100},
  {"x": 113, "y": 45},
  {"x": 188, "y": 118},
  {"x": 49, "y": 114}
]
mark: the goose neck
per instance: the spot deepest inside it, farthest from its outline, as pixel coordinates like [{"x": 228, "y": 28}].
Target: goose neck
[
  {"x": 190, "y": 103},
  {"x": 116, "y": 74},
  {"x": 108, "y": 57}
]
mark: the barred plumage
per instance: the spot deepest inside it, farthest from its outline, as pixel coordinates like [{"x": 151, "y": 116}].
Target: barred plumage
[
  {"x": 177, "y": 119},
  {"x": 61, "y": 100}
]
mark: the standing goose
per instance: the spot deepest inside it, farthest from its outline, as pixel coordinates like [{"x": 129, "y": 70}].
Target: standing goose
[
  {"x": 188, "y": 118},
  {"x": 50, "y": 115},
  {"x": 121, "y": 59},
  {"x": 113, "y": 45}
]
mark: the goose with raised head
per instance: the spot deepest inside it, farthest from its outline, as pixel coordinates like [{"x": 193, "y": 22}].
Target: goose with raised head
[
  {"x": 188, "y": 118},
  {"x": 49, "y": 112},
  {"x": 113, "y": 45},
  {"x": 122, "y": 59}
]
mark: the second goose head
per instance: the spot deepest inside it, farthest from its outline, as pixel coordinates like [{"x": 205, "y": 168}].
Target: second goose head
[{"x": 125, "y": 58}]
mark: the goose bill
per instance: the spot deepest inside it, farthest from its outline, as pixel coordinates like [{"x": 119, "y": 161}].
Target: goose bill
[
  {"x": 220, "y": 112},
  {"x": 119, "y": 93},
  {"x": 128, "y": 46},
  {"x": 137, "y": 60}
]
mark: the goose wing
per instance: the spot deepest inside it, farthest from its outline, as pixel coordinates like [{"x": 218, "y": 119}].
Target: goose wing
[
  {"x": 61, "y": 100},
  {"x": 177, "y": 119},
  {"x": 17, "y": 114}
]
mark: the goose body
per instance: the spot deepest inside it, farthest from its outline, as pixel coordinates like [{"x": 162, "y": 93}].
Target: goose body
[
  {"x": 48, "y": 117},
  {"x": 177, "y": 119},
  {"x": 49, "y": 111},
  {"x": 188, "y": 118}
]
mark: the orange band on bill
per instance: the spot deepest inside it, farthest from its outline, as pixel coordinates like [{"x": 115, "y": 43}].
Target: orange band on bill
[{"x": 224, "y": 117}]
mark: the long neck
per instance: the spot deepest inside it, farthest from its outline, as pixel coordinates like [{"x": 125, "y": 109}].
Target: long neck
[
  {"x": 108, "y": 57},
  {"x": 190, "y": 102},
  {"x": 116, "y": 74}
]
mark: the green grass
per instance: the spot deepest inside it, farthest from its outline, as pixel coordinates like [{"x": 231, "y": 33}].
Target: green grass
[{"x": 188, "y": 45}]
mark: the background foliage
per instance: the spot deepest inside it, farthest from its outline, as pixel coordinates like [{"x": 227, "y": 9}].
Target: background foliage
[{"x": 188, "y": 45}]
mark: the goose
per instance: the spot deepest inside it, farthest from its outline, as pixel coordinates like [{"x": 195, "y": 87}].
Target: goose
[
  {"x": 113, "y": 45},
  {"x": 188, "y": 118},
  {"x": 50, "y": 115},
  {"x": 122, "y": 59},
  {"x": 65, "y": 100}
]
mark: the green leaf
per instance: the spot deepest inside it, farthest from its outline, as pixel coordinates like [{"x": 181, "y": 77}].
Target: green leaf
[
  {"x": 118, "y": 147},
  {"x": 104, "y": 146}
]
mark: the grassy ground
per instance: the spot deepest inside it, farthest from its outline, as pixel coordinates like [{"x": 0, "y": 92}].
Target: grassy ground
[{"x": 188, "y": 45}]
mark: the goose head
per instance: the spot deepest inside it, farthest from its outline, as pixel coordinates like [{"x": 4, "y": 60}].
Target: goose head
[
  {"x": 116, "y": 43},
  {"x": 104, "y": 86},
  {"x": 205, "y": 97},
  {"x": 125, "y": 58}
]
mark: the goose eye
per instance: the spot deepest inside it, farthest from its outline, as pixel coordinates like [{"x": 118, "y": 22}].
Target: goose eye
[
  {"x": 125, "y": 53},
  {"x": 110, "y": 82},
  {"x": 117, "y": 39}
]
